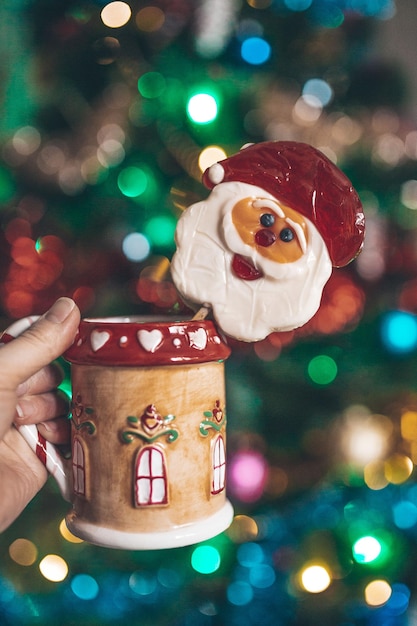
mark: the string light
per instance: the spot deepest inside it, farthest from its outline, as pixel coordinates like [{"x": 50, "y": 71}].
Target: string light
[
  {"x": 366, "y": 549},
  {"x": 322, "y": 369},
  {"x": 315, "y": 578},
  {"x": 53, "y": 568},
  {"x": 210, "y": 155},
  {"x": 23, "y": 552},
  {"x": 205, "y": 559},
  {"x": 255, "y": 51},
  {"x": 377, "y": 592},
  {"x": 202, "y": 108},
  {"x": 116, "y": 14},
  {"x": 84, "y": 587}
]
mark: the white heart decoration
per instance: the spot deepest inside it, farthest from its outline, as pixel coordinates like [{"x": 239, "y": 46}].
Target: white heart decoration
[
  {"x": 98, "y": 339},
  {"x": 198, "y": 338},
  {"x": 150, "y": 340}
]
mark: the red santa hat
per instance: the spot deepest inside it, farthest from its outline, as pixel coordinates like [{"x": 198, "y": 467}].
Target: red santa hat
[{"x": 302, "y": 178}]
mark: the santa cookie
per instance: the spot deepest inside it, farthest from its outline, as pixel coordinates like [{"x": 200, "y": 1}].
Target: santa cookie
[{"x": 261, "y": 247}]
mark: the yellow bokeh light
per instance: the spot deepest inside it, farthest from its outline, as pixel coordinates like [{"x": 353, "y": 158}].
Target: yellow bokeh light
[
  {"x": 409, "y": 425},
  {"x": 209, "y": 156},
  {"x": 150, "y": 19},
  {"x": 377, "y": 592},
  {"x": 116, "y": 14},
  {"x": 23, "y": 552},
  {"x": 398, "y": 468},
  {"x": 68, "y": 534},
  {"x": 53, "y": 568},
  {"x": 374, "y": 475},
  {"x": 242, "y": 529},
  {"x": 315, "y": 578},
  {"x": 365, "y": 437}
]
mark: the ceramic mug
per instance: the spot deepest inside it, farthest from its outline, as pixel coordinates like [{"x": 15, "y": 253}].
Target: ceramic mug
[{"x": 148, "y": 440}]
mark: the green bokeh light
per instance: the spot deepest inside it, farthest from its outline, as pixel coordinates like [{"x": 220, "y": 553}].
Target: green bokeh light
[
  {"x": 132, "y": 181},
  {"x": 160, "y": 230},
  {"x": 205, "y": 559},
  {"x": 7, "y": 186},
  {"x": 151, "y": 85},
  {"x": 202, "y": 108},
  {"x": 322, "y": 369},
  {"x": 366, "y": 549}
]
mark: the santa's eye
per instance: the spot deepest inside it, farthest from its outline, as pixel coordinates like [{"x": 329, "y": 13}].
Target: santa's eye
[
  {"x": 287, "y": 234},
  {"x": 267, "y": 220}
]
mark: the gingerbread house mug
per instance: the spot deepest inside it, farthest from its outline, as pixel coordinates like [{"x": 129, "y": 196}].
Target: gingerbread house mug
[{"x": 148, "y": 462}]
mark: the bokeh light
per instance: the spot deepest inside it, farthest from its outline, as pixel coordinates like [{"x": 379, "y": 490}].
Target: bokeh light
[
  {"x": 53, "y": 568},
  {"x": 318, "y": 88},
  {"x": 143, "y": 583},
  {"x": 85, "y": 587},
  {"x": 248, "y": 473},
  {"x": 242, "y": 529},
  {"x": 404, "y": 514},
  {"x": 365, "y": 437},
  {"x": 132, "y": 181},
  {"x": 202, "y": 108},
  {"x": 315, "y": 578},
  {"x": 159, "y": 231},
  {"x": 151, "y": 85},
  {"x": 399, "y": 332},
  {"x": 255, "y": 50},
  {"x": 322, "y": 369},
  {"x": 67, "y": 534},
  {"x": 136, "y": 247},
  {"x": 377, "y": 592},
  {"x": 239, "y": 593},
  {"x": 209, "y": 156},
  {"x": 398, "y": 468},
  {"x": 366, "y": 549},
  {"x": 116, "y": 14},
  {"x": 150, "y": 19},
  {"x": 205, "y": 559},
  {"x": 23, "y": 552},
  {"x": 298, "y": 5}
]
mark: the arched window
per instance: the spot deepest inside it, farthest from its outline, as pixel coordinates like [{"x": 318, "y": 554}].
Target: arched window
[
  {"x": 151, "y": 477},
  {"x": 219, "y": 465},
  {"x": 78, "y": 467}
]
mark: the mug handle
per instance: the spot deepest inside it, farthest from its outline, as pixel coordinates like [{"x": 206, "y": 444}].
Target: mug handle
[{"x": 46, "y": 452}]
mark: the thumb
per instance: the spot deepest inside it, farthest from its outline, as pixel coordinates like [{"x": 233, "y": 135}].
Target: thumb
[{"x": 40, "y": 344}]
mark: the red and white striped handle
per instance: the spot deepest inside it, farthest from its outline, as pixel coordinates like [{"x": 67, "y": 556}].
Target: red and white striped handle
[{"x": 46, "y": 452}]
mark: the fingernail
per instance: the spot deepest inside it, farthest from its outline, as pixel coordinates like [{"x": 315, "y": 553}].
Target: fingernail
[
  {"x": 19, "y": 412},
  {"x": 24, "y": 409},
  {"x": 59, "y": 311}
]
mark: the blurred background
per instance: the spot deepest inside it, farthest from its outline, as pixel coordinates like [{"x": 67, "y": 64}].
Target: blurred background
[{"x": 109, "y": 113}]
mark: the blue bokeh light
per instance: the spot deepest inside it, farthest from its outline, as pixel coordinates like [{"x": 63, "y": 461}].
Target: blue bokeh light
[
  {"x": 399, "y": 332},
  {"x": 250, "y": 554},
  {"x": 255, "y": 50},
  {"x": 239, "y": 593},
  {"x": 405, "y": 514},
  {"x": 85, "y": 587},
  {"x": 319, "y": 89}
]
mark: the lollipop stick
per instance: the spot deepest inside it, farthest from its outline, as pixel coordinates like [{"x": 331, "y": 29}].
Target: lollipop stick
[{"x": 202, "y": 312}]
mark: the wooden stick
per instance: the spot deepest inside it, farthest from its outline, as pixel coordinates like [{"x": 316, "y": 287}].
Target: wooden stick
[{"x": 202, "y": 313}]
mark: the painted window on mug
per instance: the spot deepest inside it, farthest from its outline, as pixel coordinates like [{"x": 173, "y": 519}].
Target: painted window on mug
[
  {"x": 219, "y": 465},
  {"x": 151, "y": 477},
  {"x": 78, "y": 467}
]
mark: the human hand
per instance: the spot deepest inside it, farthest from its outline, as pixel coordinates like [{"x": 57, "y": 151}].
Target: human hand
[{"x": 29, "y": 395}]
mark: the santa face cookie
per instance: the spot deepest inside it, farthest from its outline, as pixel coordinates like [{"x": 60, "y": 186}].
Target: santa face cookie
[{"x": 260, "y": 248}]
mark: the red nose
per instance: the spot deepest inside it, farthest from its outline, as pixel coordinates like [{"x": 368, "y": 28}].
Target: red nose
[{"x": 265, "y": 237}]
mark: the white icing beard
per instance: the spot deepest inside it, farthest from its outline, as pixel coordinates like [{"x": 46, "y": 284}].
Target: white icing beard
[{"x": 285, "y": 297}]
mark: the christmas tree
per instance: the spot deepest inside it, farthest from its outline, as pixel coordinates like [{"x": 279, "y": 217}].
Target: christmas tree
[{"x": 110, "y": 112}]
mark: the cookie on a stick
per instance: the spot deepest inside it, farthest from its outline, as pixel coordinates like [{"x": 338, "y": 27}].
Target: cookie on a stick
[{"x": 260, "y": 248}]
